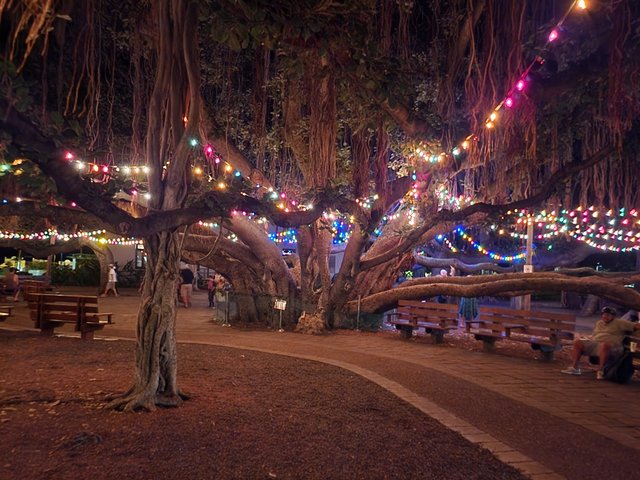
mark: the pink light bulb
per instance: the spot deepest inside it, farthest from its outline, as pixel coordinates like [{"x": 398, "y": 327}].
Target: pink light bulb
[
  {"x": 553, "y": 35},
  {"x": 68, "y": 156},
  {"x": 508, "y": 102},
  {"x": 520, "y": 85},
  {"x": 105, "y": 169}
]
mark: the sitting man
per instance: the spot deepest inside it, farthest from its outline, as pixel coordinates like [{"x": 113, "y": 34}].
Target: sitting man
[{"x": 606, "y": 341}]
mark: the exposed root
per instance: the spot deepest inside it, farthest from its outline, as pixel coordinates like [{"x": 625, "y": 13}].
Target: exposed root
[
  {"x": 142, "y": 401},
  {"x": 169, "y": 401},
  {"x": 133, "y": 403},
  {"x": 311, "y": 323}
]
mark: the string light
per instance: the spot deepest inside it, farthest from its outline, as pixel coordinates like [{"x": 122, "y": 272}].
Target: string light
[{"x": 510, "y": 98}]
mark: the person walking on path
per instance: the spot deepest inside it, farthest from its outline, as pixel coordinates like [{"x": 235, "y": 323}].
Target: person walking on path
[
  {"x": 606, "y": 341},
  {"x": 112, "y": 279},
  {"x": 186, "y": 286}
]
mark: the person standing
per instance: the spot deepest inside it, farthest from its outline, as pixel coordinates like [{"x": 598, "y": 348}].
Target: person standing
[
  {"x": 468, "y": 310},
  {"x": 112, "y": 279},
  {"x": 211, "y": 289},
  {"x": 186, "y": 286}
]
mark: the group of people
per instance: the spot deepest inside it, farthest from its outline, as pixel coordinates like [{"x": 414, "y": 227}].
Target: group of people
[
  {"x": 185, "y": 285},
  {"x": 215, "y": 283}
]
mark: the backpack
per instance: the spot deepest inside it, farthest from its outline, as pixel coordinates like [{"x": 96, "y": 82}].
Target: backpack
[{"x": 620, "y": 370}]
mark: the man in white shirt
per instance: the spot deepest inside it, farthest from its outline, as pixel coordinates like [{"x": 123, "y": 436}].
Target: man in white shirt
[{"x": 112, "y": 279}]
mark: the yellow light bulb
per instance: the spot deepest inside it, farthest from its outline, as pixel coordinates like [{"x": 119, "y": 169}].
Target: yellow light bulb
[
  {"x": 228, "y": 168},
  {"x": 582, "y": 4}
]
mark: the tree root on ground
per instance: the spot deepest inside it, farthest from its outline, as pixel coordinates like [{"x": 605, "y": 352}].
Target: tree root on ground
[{"x": 136, "y": 401}]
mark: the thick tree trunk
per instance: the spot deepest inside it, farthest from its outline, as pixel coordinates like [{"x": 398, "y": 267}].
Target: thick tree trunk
[
  {"x": 155, "y": 382},
  {"x": 318, "y": 318}
]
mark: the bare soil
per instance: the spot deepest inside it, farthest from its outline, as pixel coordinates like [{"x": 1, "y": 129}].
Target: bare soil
[{"x": 250, "y": 416}]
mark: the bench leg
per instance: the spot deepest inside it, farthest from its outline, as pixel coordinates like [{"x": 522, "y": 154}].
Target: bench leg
[
  {"x": 545, "y": 350},
  {"x": 405, "y": 332},
  {"x": 46, "y": 331},
  {"x": 547, "y": 356},
  {"x": 488, "y": 343},
  {"x": 438, "y": 337},
  {"x": 88, "y": 335}
]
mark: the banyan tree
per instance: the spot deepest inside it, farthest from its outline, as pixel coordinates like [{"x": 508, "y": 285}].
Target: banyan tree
[{"x": 405, "y": 118}]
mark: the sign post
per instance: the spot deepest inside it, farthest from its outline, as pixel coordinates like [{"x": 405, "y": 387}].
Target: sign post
[{"x": 280, "y": 304}]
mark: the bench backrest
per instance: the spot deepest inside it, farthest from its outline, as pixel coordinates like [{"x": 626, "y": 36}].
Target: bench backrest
[
  {"x": 413, "y": 310},
  {"x": 31, "y": 287},
  {"x": 537, "y": 323},
  {"x": 49, "y": 307}
]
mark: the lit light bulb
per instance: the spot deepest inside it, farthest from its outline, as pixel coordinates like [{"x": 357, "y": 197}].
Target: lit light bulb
[
  {"x": 508, "y": 102},
  {"x": 582, "y": 4},
  {"x": 520, "y": 85},
  {"x": 553, "y": 35}
]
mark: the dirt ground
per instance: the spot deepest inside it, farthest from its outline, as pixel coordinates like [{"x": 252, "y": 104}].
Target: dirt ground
[{"x": 251, "y": 415}]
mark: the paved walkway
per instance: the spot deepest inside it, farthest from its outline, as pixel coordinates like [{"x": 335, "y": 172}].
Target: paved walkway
[{"x": 548, "y": 425}]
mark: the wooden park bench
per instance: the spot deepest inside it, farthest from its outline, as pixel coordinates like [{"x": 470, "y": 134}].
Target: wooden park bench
[
  {"x": 544, "y": 331},
  {"x": 49, "y": 311},
  {"x": 436, "y": 318}
]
